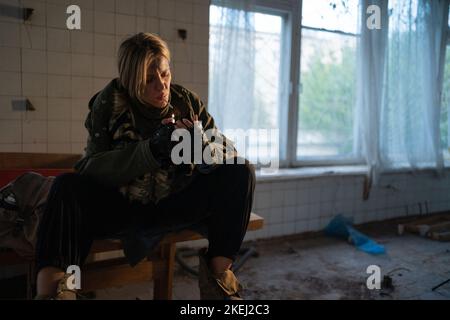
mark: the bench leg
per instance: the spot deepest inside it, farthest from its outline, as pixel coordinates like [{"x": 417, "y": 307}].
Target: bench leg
[
  {"x": 31, "y": 281},
  {"x": 163, "y": 268}
]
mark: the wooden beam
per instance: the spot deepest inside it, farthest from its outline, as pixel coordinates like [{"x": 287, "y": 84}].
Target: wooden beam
[
  {"x": 163, "y": 272},
  {"x": 23, "y": 160},
  {"x": 113, "y": 273}
]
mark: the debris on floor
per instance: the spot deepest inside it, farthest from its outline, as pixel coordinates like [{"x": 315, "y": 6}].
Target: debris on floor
[
  {"x": 314, "y": 267},
  {"x": 436, "y": 227},
  {"x": 387, "y": 287},
  {"x": 341, "y": 227},
  {"x": 440, "y": 285}
]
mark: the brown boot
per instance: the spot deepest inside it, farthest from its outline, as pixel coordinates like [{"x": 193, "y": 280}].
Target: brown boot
[
  {"x": 216, "y": 287},
  {"x": 62, "y": 291}
]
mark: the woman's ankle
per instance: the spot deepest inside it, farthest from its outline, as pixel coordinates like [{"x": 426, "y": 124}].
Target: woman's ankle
[
  {"x": 218, "y": 265},
  {"x": 47, "y": 281}
]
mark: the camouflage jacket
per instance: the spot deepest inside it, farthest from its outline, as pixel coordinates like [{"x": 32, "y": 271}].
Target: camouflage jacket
[{"x": 118, "y": 152}]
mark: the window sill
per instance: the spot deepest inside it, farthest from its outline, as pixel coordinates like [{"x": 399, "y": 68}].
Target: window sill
[
  {"x": 283, "y": 174},
  {"x": 309, "y": 172}
]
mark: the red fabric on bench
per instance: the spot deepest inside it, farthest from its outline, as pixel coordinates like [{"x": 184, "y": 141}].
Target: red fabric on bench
[{"x": 8, "y": 175}]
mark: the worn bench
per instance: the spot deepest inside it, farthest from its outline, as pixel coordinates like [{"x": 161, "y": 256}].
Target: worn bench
[{"x": 112, "y": 270}]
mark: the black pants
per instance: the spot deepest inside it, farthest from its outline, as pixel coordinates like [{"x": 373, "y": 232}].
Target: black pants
[{"x": 80, "y": 210}]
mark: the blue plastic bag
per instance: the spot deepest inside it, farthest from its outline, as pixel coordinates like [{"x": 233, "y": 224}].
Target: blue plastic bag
[{"x": 341, "y": 227}]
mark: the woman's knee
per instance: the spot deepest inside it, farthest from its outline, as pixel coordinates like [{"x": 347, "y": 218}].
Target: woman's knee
[
  {"x": 249, "y": 172},
  {"x": 67, "y": 180},
  {"x": 243, "y": 170},
  {"x": 71, "y": 183}
]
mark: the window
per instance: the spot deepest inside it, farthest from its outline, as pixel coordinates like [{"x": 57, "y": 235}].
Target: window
[
  {"x": 256, "y": 62},
  {"x": 328, "y": 80},
  {"x": 247, "y": 68},
  {"x": 445, "y": 132}
]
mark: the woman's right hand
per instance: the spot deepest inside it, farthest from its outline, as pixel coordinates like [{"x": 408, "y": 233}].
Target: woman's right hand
[{"x": 161, "y": 144}]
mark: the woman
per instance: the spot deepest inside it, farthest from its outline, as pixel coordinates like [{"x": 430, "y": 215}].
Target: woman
[{"x": 127, "y": 184}]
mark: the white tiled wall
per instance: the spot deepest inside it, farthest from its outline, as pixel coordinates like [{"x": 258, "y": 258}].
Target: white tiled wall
[
  {"x": 60, "y": 69},
  {"x": 295, "y": 206},
  {"x": 308, "y": 204}
]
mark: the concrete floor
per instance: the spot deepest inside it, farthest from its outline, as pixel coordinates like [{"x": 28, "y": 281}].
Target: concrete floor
[{"x": 318, "y": 267}]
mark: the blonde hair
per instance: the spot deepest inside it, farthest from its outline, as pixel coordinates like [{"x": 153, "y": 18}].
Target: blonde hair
[{"x": 136, "y": 54}]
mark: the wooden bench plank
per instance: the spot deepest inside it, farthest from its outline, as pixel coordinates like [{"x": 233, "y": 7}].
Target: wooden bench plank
[
  {"x": 256, "y": 222},
  {"x": 8, "y": 257},
  {"x": 23, "y": 160},
  {"x": 104, "y": 274},
  {"x": 163, "y": 272}
]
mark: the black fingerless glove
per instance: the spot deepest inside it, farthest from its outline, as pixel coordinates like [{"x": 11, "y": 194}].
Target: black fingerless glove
[{"x": 161, "y": 145}]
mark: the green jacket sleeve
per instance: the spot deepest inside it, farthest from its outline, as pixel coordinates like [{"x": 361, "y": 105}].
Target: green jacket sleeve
[{"x": 114, "y": 167}]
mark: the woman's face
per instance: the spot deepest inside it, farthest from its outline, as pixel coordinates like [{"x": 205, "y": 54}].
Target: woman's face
[{"x": 157, "y": 88}]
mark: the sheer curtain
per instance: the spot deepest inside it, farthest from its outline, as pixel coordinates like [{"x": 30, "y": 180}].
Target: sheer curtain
[
  {"x": 232, "y": 60},
  {"x": 369, "y": 91},
  {"x": 412, "y": 96},
  {"x": 249, "y": 76},
  {"x": 399, "y": 96}
]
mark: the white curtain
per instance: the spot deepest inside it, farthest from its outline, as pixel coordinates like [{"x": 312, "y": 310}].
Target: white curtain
[
  {"x": 232, "y": 59},
  {"x": 370, "y": 80},
  {"x": 248, "y": 77},
  {"x": 399, "y": 96}
]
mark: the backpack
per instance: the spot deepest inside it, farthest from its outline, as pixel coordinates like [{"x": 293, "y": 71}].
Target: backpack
[{"x": 22, "y": 203}]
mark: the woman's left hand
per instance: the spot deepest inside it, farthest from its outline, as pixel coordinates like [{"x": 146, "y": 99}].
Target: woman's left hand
[{"x": 181, "y": 124}]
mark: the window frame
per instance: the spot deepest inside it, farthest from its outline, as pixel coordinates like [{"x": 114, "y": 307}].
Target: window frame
[
  {"x": 295, "y": 162},
  {"x": 442, "y": 70},
  {"x": 291, "y": 11},
  {"x": 288, "y": 10}
]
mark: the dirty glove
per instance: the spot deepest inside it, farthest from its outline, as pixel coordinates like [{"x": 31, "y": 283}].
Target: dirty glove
[{"x": 161, "y": 145}]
